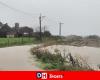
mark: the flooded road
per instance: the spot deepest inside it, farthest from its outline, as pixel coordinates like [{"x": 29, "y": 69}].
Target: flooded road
[{"x": 17, "y": 58}]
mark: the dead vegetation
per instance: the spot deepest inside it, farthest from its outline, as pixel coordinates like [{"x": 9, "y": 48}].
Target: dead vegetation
[
  {"x": 73, "y": 40},
  {"x": 60, "y": 61}
]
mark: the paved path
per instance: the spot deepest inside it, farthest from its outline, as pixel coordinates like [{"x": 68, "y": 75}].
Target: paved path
[{"x": 17, "y": 58}]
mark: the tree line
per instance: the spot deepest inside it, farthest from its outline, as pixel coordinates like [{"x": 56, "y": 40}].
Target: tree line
[{"x": 17, "y": 31}]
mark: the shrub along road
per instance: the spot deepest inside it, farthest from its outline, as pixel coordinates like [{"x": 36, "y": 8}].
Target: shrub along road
[{"x": 17, "y": 58}]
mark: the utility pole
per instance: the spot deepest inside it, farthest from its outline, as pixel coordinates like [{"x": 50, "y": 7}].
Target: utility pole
[
  {"x": 40, "y": 22},
  {"x": 60, "y": 26},
  {"x": 40, "y": 27}
]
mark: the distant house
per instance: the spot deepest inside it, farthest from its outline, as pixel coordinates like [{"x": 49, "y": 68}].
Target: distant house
[
  {"x": 10, "y": 34},
  {"x": 26, "y": 31},
  {"x": 21, "y": 31},
  {"x": 16, "y": 31},
  {"x": 25, "y": 34}
]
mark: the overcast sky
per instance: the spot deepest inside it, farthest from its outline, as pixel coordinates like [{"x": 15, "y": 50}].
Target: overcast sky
[{"x": 80, "y": 17}]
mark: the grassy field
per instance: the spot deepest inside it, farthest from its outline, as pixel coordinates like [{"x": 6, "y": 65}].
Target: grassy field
[{"x": 4, "y": 42}]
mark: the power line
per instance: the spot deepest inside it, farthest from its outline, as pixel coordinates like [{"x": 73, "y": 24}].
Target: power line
[
  {"x": 14, "y": 9},
  {"x": 31, "y": 14},
  {"x": 17, "y": 10}
]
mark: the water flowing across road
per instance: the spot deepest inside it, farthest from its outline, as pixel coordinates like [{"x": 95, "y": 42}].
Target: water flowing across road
[{"x": 17, "y": 58}]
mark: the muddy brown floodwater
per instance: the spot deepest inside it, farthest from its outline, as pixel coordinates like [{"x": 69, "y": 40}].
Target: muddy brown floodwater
[
  {"x": 92, "y": 54},
  {"x": 17, "y": 58}
]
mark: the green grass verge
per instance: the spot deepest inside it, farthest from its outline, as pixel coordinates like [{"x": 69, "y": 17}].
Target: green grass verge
[{"x": 5, "y": 42}]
